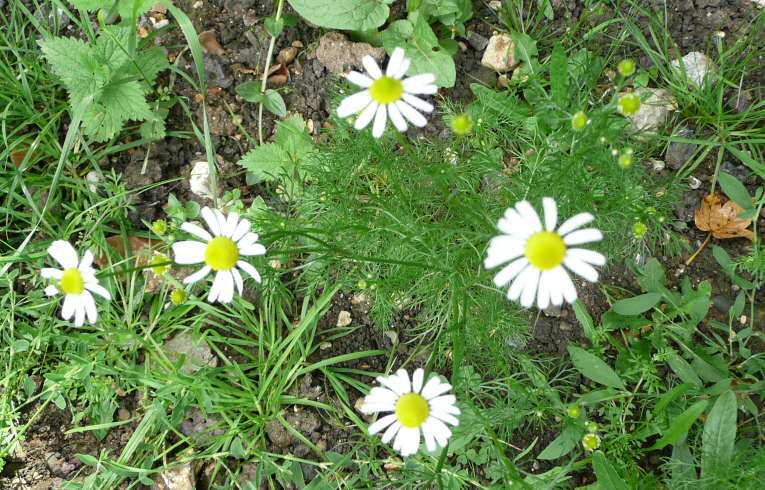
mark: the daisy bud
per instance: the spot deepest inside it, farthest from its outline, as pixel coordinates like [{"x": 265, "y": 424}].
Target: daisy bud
[
  {"x": 160, "y": 264},
  {"x": 179, "y": 296},
  {"x": 159, "y": 227},
  {"x": 639, "y": 229},
  {"x": 461, "y": 124},
  {"x": 626, "y": 67},
  {"x": 574, "y": 411},
  {"x": 625, "y": 160},
  {"x": 591, "y": 426},
  {"x": 629, "y": 104},
  {"x": 591, "y": 442},
  {"x": 579, "y": 121}
]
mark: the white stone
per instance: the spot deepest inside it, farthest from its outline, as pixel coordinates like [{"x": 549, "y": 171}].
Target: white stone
[
  {"x": 697, "y": 66},
  {"x": 344, "y": 319},
  {"x": 92, "y": 178},
  {"x": 500, "y": 53},
  {"x": 656, "y": 104},
  {"x": 199, "y": 181},
  {"x": 176, "y": 478}
]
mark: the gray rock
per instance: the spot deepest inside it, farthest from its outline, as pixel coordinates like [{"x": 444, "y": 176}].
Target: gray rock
[
  {"x": 238, "y": 5},
  {"x": 477, "y": 41},
  {"x": 722, "y": 303},
  {"x": 176, "y": 478},
  {"x": 679, "y": 153},
  {"x": 197, "y": 354},
  {"x": 218, "y": 74},
  {"x": 697, "y": 67},
  {"x": 278, "y": 435},
  {"x": 500, "y": 53},
  {"x": 339, "y": 54},
  {"x": 655, "y": 108},
  {"x": 199, "y": 426}
]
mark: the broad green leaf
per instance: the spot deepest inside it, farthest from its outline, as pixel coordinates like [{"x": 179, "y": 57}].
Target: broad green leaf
[
  {"x": 561, "y": 445},
  {"x": 735, "y": 190},
  {"x": 274, "y": 103},
  {"x": 351, "y": 15},
  {"x": 559, "y": 79},
  {"x": 585, "y": 319},
  {"x": 526, "y": 50},
  {"x": 87, "y": 459},
  {"x": 594, "y": 368},
  {"x": 684, "y": 371},
  {"x": 637, "y": 305},
  {"x": 652, "y": 276},
  {"x": 608, "y": 477},
  {"x": 683, "y": 465},
  {"x": 20, "y": 345},
  {"x": 680, "y": 425},
  {"x": 422, "y": 48},
  {"x": 719, "y": 434},
  {"x": 274, "y": 26},
  {"x": 671, "y": 396}
]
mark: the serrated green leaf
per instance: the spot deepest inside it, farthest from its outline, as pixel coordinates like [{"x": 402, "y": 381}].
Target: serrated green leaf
[
  {"x": 608, "y": 477},
  {"x": 637, "y": 305},
  {"x": 73, "y": 61},
  {"x": 117, "y": 103},
  {"x": 559, "y": 79},
  {"x": 594, "y": 368},
  {"x": 352, "y": 15},
  {"x": 735, "y": 190},
  {"x": 680, "y": 425},
  {"x": 719, "y": 435},
  {"x": 266, "y": 162},
  {"x": 148, "y": 64}
]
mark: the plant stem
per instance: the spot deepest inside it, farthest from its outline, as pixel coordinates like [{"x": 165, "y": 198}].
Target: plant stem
[{"x": 264, "y": 79}]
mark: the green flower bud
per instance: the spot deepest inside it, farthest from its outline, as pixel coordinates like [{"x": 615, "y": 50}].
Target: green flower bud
[
  {"x": 625, "y": 160},
  {"x": 639, "y": 229},
  {"x": 461, "y": 124},
  {"x": 160, "y": 264},
  {"x": 159, "y": 227},
  {"x": 574, "y": 411},
  {"x": 591, "y": 426},
  {"x": 591, "y": 442},
  {"x": 629, "y": 104},
  {"x": 626, "y": 67},
  {"x": 579, "y": 121},
  {"x": 179, "y": 296}
]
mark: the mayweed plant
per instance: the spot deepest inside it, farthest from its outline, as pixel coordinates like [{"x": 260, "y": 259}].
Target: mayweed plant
[{"x": 388, "y": 95}]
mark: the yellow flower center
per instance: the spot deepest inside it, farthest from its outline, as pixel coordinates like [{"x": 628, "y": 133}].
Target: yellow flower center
[
  {"x": 221, "y": 254},
  {"x": 545, "y": 250},
  {"x": 412, "y": 410},
  {"x": 386, "y": 90},
  {"x": 72, "y": 281}
]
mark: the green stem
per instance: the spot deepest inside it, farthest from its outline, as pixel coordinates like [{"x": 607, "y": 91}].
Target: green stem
[{"x": 264, "y": 79}]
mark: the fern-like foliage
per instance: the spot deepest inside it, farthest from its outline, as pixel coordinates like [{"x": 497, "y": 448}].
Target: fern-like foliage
[{"x": 104, "y": 80}]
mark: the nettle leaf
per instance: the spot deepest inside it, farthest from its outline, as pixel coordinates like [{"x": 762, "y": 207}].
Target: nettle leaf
[
  {"x": 719, "y": 435},
  {"x": 117, "y": 103},
  {"x": 422, "y": 48},
  {"x": 637, "y": 305},
  {"x": 594, "y": 368},
  {"x": 351, "y": 15},
  {"x": 270, "y": 161}
]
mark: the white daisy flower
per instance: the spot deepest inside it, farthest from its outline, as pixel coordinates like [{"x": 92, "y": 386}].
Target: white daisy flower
[
  {"x": 416, "y": 408},
  {"x": 77, "y": 280},
  {"x": 541, "y": 256},
  {"x": 388, "y": 95},
  {"x": 231, "y": 239}
]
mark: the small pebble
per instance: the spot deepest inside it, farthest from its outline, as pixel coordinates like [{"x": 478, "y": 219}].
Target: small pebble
[
  {"x": 344, "y": 319},
  {"x": 693, "y": 182}
]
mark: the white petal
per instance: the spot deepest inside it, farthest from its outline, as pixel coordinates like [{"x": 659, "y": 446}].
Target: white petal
[
  {"x": 366, "y": 116},
  {"x": 514, "y": 225},
  {"x": 394, "y": 63},
  {"x": 529, "y": 215},
  {"x": 417, "y": 103},
  {"x": 551, "y": 213},
  {"x": 354, "y": 104},
  {"x": 255, "y": 249},
  {"x": 434, "y": 387},
  {"x": 442, "y": 401},
  {"x": 543, "y": 292},
  {"x": 79, "y": 312},
  {"x": 217, "y": 286},
  {"x": 64, "y": 253},
  {"x": 555, "y": 286},
  {"x": 241, "y": 230},
  {"x": 392, "y": 431},
  {"x": 89, "y": 305},
  {"x": 382, "y": 423},
  {"x": 586, "y": 235},
  {"x": 196, "y": 230},
  {"x": 519, "y": 283},
  {"x": 498, "y": 256},
  {"x": 70, "y": 303},
  {"x": 225, "y": 286},
  {"x": 402, "y": 69},
  {"x": 377, "y": 407},
  {"x": 370, "y": 65},
  {"x": 231, "y": 221},
  {"x": 582, "y": 268},
  {"x": 211, "y": 220},
  {"x": 96, "y": 288},
  {"x": 445, "y": 406},
  {"x": 359, "y": 79},
  {"x": 382, "y": 394},
  {"x": 511, "y": 271},
  {"x": 221, "y": 220},
  {"x": 530, "y": 288},
  {"x": 189, "y": 252},
  {"x": 238, "y": 280},
  {"x": 407, "y": 441},
  {"x": 575, "y": 222},
  {"x": 417, "y": 378},
  {"x": 198, "y": 275},
  {"x": 420, "y": 84},
  {"x": 248, "y": 239},
  {"x": 87, "y": 261},
  {"x": 438, "y": 429},
  {"x": 51, "y": 290},
  {"x": 51, "y": 273},
  {"x": 589, "y": 256},
  {"x": 394, "y": 383},
  {"x": 378, "y": 128},
  {"x": 445, "y": 417},
  {"x": 566, "y": 284},
  {"x": 430, "y": 441},
  {"x": 396, "y": 117},
  {"x": 411, "y": 114},
  {"x": 249, "y": 269}
]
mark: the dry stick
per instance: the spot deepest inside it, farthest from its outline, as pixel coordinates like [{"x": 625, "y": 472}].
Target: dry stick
[
  {"x": 264, "y": 80},
  {"x": 697, "y": 252}
]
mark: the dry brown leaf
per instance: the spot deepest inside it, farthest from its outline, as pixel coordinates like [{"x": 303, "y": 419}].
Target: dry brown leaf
[
  {"x": 138, "y": 246},
  {"x": 210, "y": 44},
  {"x": 722, "y": 220}
]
